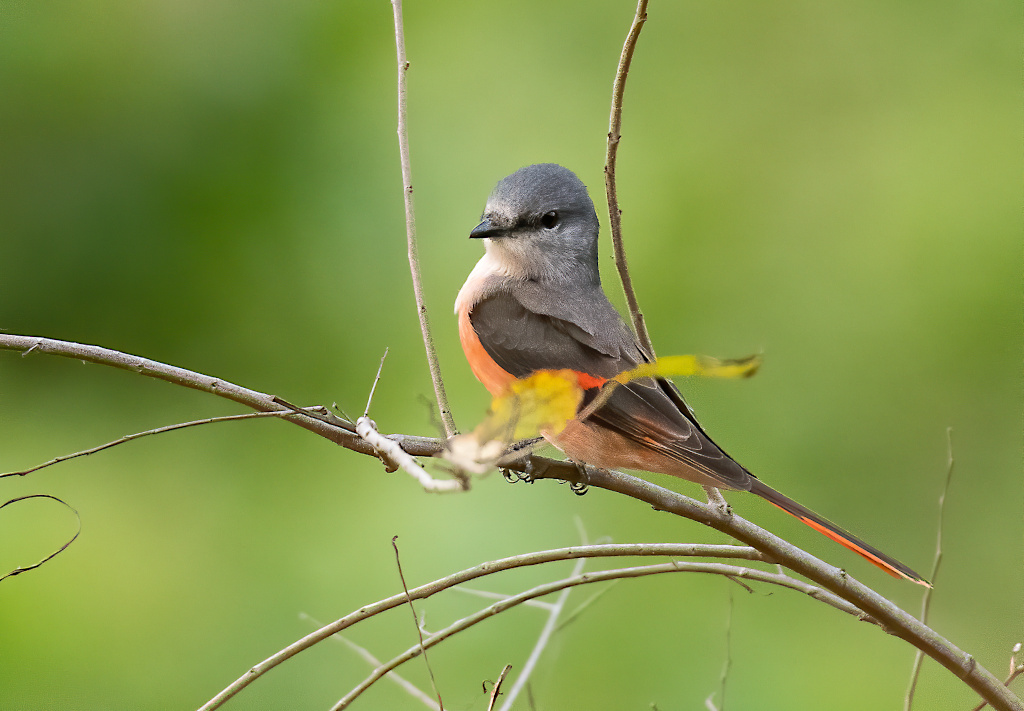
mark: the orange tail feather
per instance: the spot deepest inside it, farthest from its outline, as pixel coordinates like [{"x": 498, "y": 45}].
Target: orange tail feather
[{"x": 887, "y": 563}]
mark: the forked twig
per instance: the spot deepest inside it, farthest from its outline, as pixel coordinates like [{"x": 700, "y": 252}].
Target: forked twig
[{"x": 410, "y": 228}]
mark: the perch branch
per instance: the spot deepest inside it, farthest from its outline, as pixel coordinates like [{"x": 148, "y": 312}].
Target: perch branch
[
  {"x": 410, "y": 228},
  {"x": 772, "y": 548},
  {"x": 323, "y": 423}
]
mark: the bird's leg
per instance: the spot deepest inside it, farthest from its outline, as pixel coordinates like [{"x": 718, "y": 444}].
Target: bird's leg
[
  {"x": 581, "y": 485},
  {"x": 525, "y": 469}
]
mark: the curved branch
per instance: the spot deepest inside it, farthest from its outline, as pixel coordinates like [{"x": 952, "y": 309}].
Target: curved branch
[
  {"x": 540, "y": 557},
  {"x": 547, "y": 589},
  {"x": 894, "y": 620},
  {"x": 333, "y": 428},
  {"x": 25, "y": 568}
]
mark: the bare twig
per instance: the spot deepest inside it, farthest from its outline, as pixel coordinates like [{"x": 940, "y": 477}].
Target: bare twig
[
  {"x": 611, "y": 191},
  {"x": 390, "y": 451},
  {"x": 416, "y": 622},
  {"x": 581, "y": 608},
  {"x": 410, "y": 228},
  {"x": 614, "y": 213},
  {"x": 157, "y": 430},
  {"x": 727, "y": 665},
  {"x": 497, "y": 687},
  {"x": 25, "y": 568},
  {"x": 373, "y": 388},
  {"x": 926, "y": 599}
]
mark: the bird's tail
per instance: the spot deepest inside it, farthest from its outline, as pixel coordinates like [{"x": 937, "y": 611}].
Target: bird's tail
[{"x": 890, "y": 565}]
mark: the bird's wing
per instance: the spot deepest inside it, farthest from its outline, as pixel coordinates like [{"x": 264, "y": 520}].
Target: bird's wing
[{"x": 649, "y": 411}]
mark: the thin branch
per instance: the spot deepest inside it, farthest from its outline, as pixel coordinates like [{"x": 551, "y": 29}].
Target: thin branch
[
  {"x": 155, "y": 431},
  {"x": 25, "y": 568},
  {"x": 614, "y": 213},
  {"x": 373, "y": 388},
  {"x": 410, "y": 228},
  {"x": 497, "y": 687},
  {"x": 416, "y": 622},
  {"x": 926, "y": 600},
  {"x": 489, "y": 595},
  {"x": 727, "y": 665}
]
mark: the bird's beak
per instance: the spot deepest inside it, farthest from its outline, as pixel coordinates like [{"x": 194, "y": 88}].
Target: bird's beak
[{"x": 487, "y": 229}]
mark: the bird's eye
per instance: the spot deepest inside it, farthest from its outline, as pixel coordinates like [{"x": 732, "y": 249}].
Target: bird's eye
[{"x": 549, "y": 219}]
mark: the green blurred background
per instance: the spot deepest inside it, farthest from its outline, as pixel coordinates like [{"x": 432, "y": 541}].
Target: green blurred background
[{"x": 217, "y": 186}]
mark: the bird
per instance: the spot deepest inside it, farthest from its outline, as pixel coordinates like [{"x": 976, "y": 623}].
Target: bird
[{"x": 535, "y": 302}]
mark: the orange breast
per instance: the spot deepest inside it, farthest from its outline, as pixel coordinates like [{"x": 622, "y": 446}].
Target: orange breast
[{"x": 492, "y": 375}]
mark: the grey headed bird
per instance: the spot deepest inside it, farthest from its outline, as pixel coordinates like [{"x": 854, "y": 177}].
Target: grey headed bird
[{"x": 534, "y": 302}]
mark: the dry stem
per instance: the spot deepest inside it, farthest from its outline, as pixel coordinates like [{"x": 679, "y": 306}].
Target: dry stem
[
  {"x": 410, "y": 228},
  {"x": 614, "y": 213}
]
